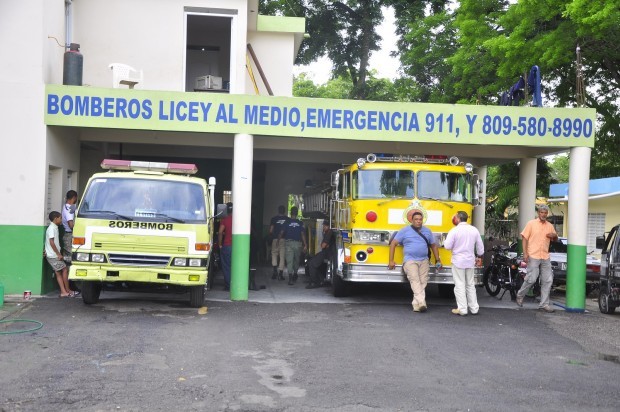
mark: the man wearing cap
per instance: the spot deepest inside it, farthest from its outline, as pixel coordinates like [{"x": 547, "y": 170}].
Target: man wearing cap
[
  {"x": 416, "y": 240},
  {"x": 293, "y": 233},
  {"x": 464, "y": 240},
  {"x": 537, "y": 235}
]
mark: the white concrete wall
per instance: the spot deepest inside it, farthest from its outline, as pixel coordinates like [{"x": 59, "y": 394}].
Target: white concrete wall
[
  {"x": 148, "y": 35},
  {"x": 274, "y": 52},
  {"x": 29, "y": 60},
  {"x": 607, "y": 205}
]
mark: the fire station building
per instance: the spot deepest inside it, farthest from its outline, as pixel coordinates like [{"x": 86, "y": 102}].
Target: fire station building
[{"x": 210, "y": 82}]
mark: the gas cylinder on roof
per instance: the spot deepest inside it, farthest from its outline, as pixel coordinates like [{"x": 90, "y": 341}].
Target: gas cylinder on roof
[{"x": 73, "y": 66}]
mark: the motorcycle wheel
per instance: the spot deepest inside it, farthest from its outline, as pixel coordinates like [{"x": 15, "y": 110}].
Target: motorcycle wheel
[
  {"x": 491, "y": 282},
  {"x": 603, "y": 304}
]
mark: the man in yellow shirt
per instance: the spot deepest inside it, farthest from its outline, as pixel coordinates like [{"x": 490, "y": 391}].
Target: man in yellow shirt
[{"x": 537, "y": 235}]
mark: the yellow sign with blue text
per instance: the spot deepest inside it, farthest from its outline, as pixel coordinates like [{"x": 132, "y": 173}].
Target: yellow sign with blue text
[{"x": 319, "y": 118}]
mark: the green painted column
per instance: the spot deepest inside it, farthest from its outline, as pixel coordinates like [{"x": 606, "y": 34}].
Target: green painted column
[
  {"x": 240, "y": 264},
  {"x": 576, "y": 277},
  {"x": 578, "y": 192},
  {"x": 242, "y": 213}
]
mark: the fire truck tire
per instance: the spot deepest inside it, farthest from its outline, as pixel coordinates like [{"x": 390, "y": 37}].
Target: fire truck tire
[
  {"x": 603, "y": 304},
  {"x": 196, "y": 296},
  {"x": 90, "y": 292},
  {"x": 339, "y": 286},
  {"x": 446, "y": 291}
]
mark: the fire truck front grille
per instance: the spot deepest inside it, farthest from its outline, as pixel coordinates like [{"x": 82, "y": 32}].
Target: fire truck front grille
[{"x": 138, "y": 260}]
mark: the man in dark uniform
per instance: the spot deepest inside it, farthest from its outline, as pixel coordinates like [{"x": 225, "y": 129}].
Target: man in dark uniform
[
  {"x": 294, "y": 236},
  {"x": 278, "y": 247},
  {"x": 317, "y": 277}
]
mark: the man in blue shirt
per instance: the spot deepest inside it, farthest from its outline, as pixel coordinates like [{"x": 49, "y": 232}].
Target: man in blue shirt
[
  {"x": 416, "y": 240},
  {"x": 293, "y": 234}
]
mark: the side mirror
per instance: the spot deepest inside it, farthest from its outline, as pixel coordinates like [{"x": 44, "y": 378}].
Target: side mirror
[
  {"x": 335, "y": 179},
  {"x": 477, "y": 199},
  {"x": 600, "y": 242}
]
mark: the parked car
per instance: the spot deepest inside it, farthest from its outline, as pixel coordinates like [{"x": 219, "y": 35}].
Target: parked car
[{"x": 557, "y": 253}]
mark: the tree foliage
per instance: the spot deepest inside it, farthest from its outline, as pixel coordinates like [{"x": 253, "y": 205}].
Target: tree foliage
[
  {"x": 472, "y": 50},
  {"x": 503, "y": 191},
  {"x": 342, "y": 30}
]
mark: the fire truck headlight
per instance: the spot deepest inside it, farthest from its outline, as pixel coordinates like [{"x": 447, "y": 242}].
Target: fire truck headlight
[
  {"x": 361, "y": 162},
  {"x": 195, "y": 262},
  {"x": 469, "y": 167},
  {"x": 179, "y": 262},
  {"x": 97, "y": 258},
  {"x": 82, "y": 257}
]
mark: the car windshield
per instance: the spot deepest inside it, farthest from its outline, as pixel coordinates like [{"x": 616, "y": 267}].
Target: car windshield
[
  {"x": 444, "y": 186},
  {"x": 373, "y": 184},
  {"x": 144, "y": 200}
]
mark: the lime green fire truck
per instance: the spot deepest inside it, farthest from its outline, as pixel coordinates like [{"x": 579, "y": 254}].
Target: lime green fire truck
[
  {"x": 144, "y": 226},
  {"x": 368, "y": 202}
]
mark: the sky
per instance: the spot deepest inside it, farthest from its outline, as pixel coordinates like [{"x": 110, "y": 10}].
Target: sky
[{"x": 380, "y": 60}]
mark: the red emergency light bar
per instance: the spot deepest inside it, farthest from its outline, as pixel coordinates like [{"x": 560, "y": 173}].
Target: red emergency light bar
[{"x": 134, "y": 165}]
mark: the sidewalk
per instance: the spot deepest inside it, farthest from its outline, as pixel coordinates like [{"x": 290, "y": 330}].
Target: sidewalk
[{"x": 276, "y": 291}]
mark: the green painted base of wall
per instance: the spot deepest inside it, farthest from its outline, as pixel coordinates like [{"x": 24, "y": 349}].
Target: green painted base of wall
[
  {"x": 576, "y": 278},
  {"x": 22, "y": 265},
  {"x": 240, "y": 267}
]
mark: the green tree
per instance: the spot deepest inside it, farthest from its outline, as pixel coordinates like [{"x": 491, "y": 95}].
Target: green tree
[
  {"x": 559, "y": 168},
  {"x": 343, "y": 30},
  {"x": 341, "y": 87},
  {"x": 547, "y": 34},
  {"x": 502, "y": 185}
]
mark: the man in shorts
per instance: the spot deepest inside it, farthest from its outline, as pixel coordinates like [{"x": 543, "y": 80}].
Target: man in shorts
[{"x": 53, "y": 255}]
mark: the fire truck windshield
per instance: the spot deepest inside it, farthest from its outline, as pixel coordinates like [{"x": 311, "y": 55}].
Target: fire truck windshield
[
  {"x": 144, "y": 200},
  {"x": 373, "y": 184},
  {"x": 455, "y": 187}
]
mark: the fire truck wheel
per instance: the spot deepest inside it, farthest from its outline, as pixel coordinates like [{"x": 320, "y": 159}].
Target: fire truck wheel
[
  {"x": 90, "y": 292},
  {"x": 196, "y": 296},
  {"x": 446, "y": 291},
  {"x": 339, "y": 286}
]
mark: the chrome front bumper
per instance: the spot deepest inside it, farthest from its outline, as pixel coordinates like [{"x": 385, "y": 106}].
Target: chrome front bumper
[{"x": 380, "y": 273}]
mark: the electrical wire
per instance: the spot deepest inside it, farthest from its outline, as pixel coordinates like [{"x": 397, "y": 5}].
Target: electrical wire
[{"x": 12, "y": 332}]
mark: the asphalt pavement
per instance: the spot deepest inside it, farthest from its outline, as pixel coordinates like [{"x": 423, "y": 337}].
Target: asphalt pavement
[{"x": 294, "y": 349}]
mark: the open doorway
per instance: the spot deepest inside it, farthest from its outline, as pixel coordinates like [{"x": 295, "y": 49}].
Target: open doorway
[{"x": 208, "y": 39}]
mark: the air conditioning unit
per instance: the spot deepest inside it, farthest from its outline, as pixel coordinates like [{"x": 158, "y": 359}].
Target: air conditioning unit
[{"x": 208, "y": 83}]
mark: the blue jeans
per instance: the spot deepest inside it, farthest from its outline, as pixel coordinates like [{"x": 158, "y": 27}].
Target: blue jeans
[{"x": 225, "y": 254}]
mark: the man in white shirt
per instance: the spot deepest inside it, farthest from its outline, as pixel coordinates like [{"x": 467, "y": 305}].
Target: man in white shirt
[
  {"x": 68, "y": 217},
  {"x": 464, "y": 240},
  {"x": 53, "y": 255}
]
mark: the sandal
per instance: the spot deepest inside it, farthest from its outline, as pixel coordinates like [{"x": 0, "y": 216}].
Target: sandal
[{"x": 64, "y": 296}]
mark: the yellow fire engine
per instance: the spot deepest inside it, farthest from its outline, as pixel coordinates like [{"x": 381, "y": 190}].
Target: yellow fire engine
[{"x": 368, "y": 204}]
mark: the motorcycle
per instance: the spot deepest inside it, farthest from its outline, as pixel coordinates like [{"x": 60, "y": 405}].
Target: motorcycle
[{"x": 506, "y": 271}]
